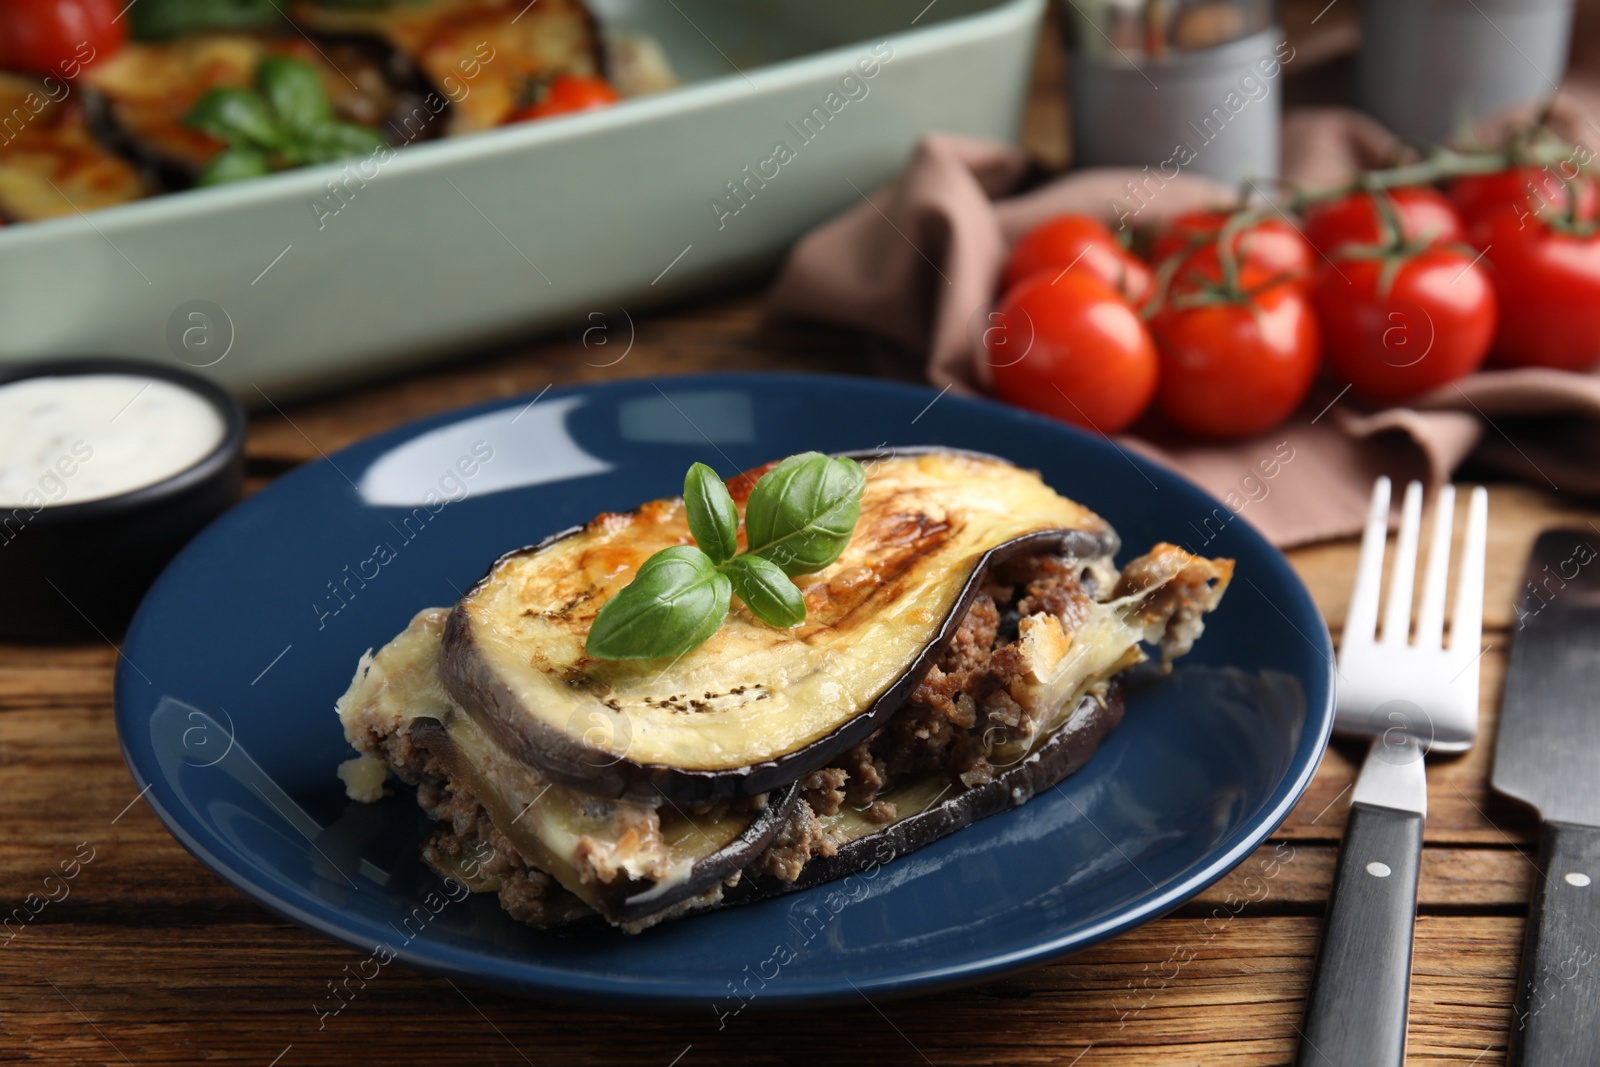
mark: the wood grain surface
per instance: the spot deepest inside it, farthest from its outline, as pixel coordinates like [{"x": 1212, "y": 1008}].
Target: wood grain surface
[{"x": 151, "y": 960}]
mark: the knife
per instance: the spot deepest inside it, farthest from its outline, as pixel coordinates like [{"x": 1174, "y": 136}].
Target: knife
[{"x": 1547, "y": 755}]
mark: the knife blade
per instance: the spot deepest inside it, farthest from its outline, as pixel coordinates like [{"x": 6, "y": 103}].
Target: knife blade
[{"x": 1547, "y": 754}]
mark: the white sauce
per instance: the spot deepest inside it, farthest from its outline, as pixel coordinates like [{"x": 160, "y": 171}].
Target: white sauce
[{"x": 79, "y": 437}]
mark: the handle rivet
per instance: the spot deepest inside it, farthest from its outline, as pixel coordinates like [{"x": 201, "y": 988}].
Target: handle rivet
[
  {"x": 1380, "y": 870},
  {"x": 1576, "y": 878}
]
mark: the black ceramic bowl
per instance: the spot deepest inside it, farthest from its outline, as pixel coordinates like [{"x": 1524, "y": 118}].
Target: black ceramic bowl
[{"x": 77, "y": 571}]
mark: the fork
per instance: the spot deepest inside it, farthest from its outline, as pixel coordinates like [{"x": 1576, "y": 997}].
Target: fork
[{"x": 1410, "y": 699}]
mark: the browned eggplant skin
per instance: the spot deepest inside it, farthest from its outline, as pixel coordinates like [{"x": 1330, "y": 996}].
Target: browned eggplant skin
[
  {"x": 484, "y": 696},
  {"x": 1064, "y": 753},
  {"x": 430, "y": 735}
]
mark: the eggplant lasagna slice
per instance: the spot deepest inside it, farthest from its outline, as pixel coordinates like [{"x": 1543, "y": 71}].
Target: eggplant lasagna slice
[{"x": 963, "y": 653}]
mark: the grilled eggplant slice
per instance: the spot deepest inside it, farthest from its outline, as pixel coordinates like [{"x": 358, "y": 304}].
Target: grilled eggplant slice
[
  {"x": 50, "y": 162},
  {"x": 481, "y": 55},
  {"x": 139, "y": 98},
  {"x": 757, "y": 707},
  {"x": 631, "y": 863}
]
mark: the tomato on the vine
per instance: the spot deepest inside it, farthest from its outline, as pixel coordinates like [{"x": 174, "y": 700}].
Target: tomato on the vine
[
  {"x": 1521, "y": 195},
  {"x": 1548, "y": 283},
  {"x": 1069, "y": 346},
  {"x": 567, "y": 93},
  {"x": 54, "y": 36},
  {"x": 1235, "y": 366},
  {"x": 1398, "y": 328},
  {"x": 1078, "y": 242},
  {"x": 1267, "y": 245},
  {"x": 1421, "y": 212}
]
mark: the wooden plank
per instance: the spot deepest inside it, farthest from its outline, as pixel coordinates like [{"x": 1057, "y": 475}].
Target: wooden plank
[{"x": 1176, "y": 991}]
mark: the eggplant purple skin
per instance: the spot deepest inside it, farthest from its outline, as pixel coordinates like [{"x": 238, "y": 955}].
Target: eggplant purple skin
[
  {"x": 430, "y": 735},
  {"x": 567, "y": 761},
  {"x": 1065, "y": 752}
]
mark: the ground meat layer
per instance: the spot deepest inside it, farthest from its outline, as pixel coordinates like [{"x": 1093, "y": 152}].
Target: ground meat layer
[
  {"x": 954, "y": 719},
  {"x": 466, "y": 838},
  {"x": 962, "y": 709}
]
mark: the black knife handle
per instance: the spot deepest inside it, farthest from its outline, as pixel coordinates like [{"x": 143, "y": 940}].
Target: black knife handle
[
  {"x": 1557, "y": 1020},
  {"x": 1356, "y": 1011}
]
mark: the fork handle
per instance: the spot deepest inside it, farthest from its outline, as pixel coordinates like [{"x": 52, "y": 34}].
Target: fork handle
[
  {"x": 1356, "y": 1011},
  {"x": 1558, "y": 994}
]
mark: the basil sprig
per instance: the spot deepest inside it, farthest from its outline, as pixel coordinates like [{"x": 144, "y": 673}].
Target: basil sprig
[
  {"x": 285, "y": 121},
  {"x": 798, "y": 519}
]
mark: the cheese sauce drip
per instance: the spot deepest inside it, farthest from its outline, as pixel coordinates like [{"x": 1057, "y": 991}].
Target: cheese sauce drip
[{"x": 75, "y": 438}]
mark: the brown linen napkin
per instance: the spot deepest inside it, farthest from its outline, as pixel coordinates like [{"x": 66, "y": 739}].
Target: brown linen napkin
[{"x": 919, "y": 262}]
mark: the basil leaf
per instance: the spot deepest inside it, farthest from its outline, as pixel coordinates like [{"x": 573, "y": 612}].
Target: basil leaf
[
  {"x": 676, "y": 601},
  {"x": 338, "y": 140},
  {"x": 713, "y": 516},
  {"x": 295, "y": 93},
  {"x": 766, "y": 590},
  {"x": 802, "y": 512},
  {"x": 154, "y": 19},
  {"x": 237, "y": 116},
  {"x": 234, "y": 164}
]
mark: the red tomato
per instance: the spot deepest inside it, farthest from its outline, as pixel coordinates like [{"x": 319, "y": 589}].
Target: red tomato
[
  {"x": 567, "y": 93},
  {"x": 1270, "y": 246},
  {"x": 52, "y": 36},
  {"x": 1482, "y": 200},
  {"x": 1068, "y": 345},
  {"x": 1235, "y": 369},
  {"x": 1434, "y": 325},
  {"x": 1548, "y": 284},
  {"x": 1079, "y": 242},
  {"x": 1422, "y": 212}
]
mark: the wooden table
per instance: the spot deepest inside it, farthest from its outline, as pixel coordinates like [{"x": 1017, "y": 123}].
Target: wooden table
[{"x": 152, "y": 960}]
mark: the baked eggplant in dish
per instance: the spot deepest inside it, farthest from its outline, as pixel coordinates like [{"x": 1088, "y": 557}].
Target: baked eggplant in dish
[
  {"x": 212, "y": 91},
  {"x": 50, "y": 162},
  {"x": 141, "y": 97},
  {"x": 493, "y": 49},
  {"x": 963, "y": 652}
]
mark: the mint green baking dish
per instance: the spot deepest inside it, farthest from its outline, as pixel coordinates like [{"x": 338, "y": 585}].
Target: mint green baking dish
[{"x": 310, "y": 278}]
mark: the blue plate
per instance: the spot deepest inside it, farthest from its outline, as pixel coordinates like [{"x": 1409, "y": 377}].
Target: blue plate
[{"x": 231, "y": 667}]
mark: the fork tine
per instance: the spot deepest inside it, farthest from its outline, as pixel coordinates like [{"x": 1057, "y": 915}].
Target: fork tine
[
  {"x": 1466, "y": 625},
  {"x": 1397, "y": 615},
  {"x": 1430, "y": 624},
  {"x": 1362, "y": 617}
]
